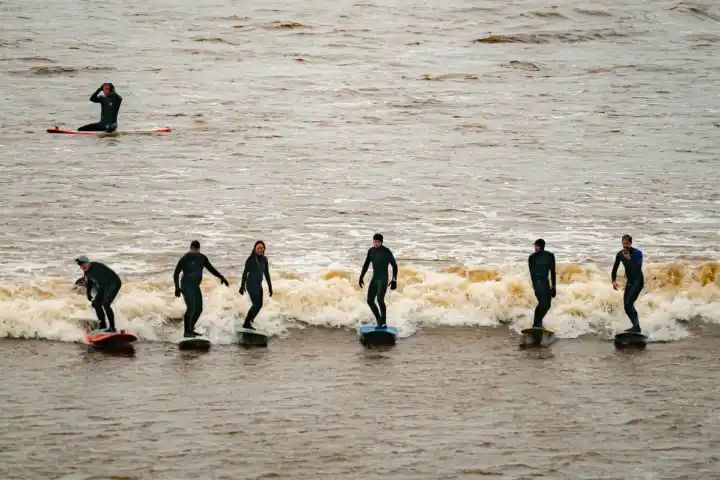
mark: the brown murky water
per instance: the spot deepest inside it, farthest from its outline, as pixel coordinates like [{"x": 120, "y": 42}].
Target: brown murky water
[
  {"x": 449, "y": 403},
  {"x": 463, "y": 131}
]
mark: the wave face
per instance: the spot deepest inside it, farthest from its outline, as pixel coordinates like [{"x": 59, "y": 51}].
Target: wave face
[{"x": 674, "y": 295}]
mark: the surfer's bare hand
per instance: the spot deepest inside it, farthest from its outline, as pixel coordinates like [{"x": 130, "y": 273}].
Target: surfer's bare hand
[{"x": 615, "y": 286}]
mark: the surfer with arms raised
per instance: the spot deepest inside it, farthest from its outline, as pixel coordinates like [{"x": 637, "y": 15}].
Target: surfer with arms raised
[
  {"x": 541, "y": 264},
  {"x": 109, "y": 102},
  {"x": 256, "y": 267},
  {"x": 107, "y": 284},
  {"x": 191, "y": 265},
  {"x": 632, "y": 259},
  {"x": 380, "y": 257}
]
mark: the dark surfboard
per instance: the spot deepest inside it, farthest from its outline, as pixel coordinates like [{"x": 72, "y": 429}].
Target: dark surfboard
[
  {"x": 194, "y": 343},
  {"x": 630, "y": 340},
  {"x": 252, "y": 338},
  {"x": 537, "y": 337}
]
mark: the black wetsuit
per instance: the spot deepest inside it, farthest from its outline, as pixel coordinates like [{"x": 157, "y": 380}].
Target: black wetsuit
[
  {"x": 109, "y": 108},
  {"x": 635, "y": 281},
  {"x": 380, "y": 258},
  {"x": 107, "y": 285},
  {"x": 191, "y": 265},
  {"x": 256, "y": 267},
  {"x": 541, "y": 264}
]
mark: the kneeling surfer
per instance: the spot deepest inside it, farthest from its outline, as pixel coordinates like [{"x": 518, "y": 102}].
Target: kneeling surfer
[
  {"x": 109, "y": 107},
  {"x": 541, "y": 264},
  {"x": 380, "y": 257},
  {"x": 107, "y": 284},
  {"x": 256, "y": 267},
  {"x": 632, "y": 259},
  {"x": 191, "y": 265}
]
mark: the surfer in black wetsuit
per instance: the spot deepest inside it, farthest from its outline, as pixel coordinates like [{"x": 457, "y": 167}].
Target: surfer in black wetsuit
[
  {"x": 109, "y": 107},
  {"x": 256, "y": 267},
  {"x": 632, "y": 259},
  {"x": 380, "y": 257},
  {"x": 541, "y": 264},
  {"x": 107, "y": 285},
  {"x": 191, "y": 265}
]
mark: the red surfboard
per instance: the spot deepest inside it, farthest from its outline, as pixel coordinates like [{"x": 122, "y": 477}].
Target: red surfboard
[
  {"x": 101, "y": 339},
  {"x": 57, "y": 129}
]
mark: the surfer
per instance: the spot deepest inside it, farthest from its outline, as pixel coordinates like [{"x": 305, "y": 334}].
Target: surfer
[
  {"x": 191, "y": 265},
  {"x": 109, "y": 107},
  {"x": 632, "y": 259},
  {"x": 107, "y": 285},
  {"x": 256, "y": 267},
  {"x": 380, "y": 257},
  {"x": 541, "y": 264}
]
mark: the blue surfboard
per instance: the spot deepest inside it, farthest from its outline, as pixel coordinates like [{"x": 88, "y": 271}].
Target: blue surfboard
[{"x": 371, "y": 335}]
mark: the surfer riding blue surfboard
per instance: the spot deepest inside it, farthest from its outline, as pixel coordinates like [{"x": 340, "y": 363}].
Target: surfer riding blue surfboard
[
  {"x": 256, "y": 267},
  {"x": 542, "y": 275},
  {"x": 380, "y": 257},
  {"x": 191, "y": 265},
  {"x": 632, "y": 259},
  {"x": 107, "y": 284},
  {"x": 109, "y": 102}
]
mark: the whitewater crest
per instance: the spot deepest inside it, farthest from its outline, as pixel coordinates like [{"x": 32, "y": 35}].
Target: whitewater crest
[{"x": 675, "y": 295}]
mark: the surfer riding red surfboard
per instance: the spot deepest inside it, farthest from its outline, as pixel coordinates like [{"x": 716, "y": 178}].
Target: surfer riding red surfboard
[{"x": 107, "y": 283}]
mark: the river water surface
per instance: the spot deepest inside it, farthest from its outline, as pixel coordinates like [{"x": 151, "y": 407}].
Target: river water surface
[{"x": 461, "y": 130}]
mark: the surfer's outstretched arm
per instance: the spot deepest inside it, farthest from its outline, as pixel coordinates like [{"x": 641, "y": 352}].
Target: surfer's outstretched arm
[
  {"x": 246, "y": 271},
  {"x": 176, "y": 274},
  {"x": 88, "y": 287},
  {"x": 613, "y": 275},
  {"x": 267, "y": 277},
  {"x": 212, "y": 270},
  {"x": 394, "y": 265},
  {"x": 365, "y": 267}
]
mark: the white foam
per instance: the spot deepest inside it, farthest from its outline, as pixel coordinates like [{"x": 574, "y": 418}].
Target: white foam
[{"x": 462, "y": 296}]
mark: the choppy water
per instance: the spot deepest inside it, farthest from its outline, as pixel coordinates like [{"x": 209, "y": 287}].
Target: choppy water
[
  {"x": 461, "y": 130},
  {"x": 447, "y": 404}
]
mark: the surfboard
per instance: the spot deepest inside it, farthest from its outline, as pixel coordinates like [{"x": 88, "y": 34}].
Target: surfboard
[
  {"x": 194, "y": 343},
  {"x": 151, "y": 131},
  {"x": 630, "y": 340},
  {"x": 252, "y": 338},
  {"x": 371, "y": 335},
  {"x": 537, "y": 337},
  {"x": 121, "y": 339}
]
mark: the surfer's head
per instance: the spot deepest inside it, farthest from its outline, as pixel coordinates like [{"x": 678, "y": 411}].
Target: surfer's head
[
  {"x": 108, "y": 88},
  {"x": 259, "y": 248},
  {"x": 377, "y": 240},
  {"x": 84, "y": 262},
  {"x": 626, "y": 241},
  {"x": 195, "y": 246},
  {"x": 539, "y": 245}
]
